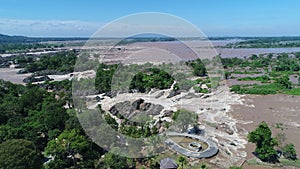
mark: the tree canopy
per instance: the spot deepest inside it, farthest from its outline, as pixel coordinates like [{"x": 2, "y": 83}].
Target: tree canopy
[
  {"x": 262, "y": 137},
  {"x": 289, "y": 152},
  {"x": 19, "y": 154}
]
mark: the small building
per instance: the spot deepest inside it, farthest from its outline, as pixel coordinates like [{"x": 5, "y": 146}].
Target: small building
[{"x": 168, "y": 163}]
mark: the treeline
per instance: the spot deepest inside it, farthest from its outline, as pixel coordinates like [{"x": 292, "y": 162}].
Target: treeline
[
  {"x": 60, "y": 62},
  {"x": 142, "y": 78},
  {"x": 24, "y": 47},
  {"x": 35, "y": 121},
  {"x": 267, "y": 42},
  {"x": 281, "y": 62}
]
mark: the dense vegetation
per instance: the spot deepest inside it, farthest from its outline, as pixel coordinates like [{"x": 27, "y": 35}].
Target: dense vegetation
[
  {"x": 272, "y": 72},
  {"x": 36, "y": 117},
  {"x": 60, "y": 62},
  {"x": 152, "y": 78},
  {"x": 142, "y": 78},
  {"x": 20, "y": 154}
]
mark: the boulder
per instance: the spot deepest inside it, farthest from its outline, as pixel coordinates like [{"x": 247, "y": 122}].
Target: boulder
[
  {"x": 229, "y": 131},
  {"x": 159, "y": 94},
  {"x": 136, "y": 104},
  {"x": 22, "y": 72},
  {"x": 167, "y": 113},
  {"x": 145, "y": 106},
  {"x": 173, "y": 93}
]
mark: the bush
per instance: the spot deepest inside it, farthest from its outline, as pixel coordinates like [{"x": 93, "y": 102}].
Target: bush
[
  {"x": 262, "y": 137},
  {"x": 284, "y": 82},
  {"x": 289, "y": 152}
]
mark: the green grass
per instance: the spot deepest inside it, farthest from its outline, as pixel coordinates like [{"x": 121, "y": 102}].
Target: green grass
[
  {"x": 283, "y": 162},
  {"x": 286, "y": 162},
  {"x": 256, "y": 89},
  {"x": 252, "y": 161},
  {"x": 277, "y": 74},
  {"x": 294, "y": 91},
  {"x": 246, "y": 72},
  {"x": 200, "y": 90},
  {"x": 263, "y": 79}
]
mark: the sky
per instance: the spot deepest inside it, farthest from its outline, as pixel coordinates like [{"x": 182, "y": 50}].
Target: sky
[{"x": 81, "y": 18}]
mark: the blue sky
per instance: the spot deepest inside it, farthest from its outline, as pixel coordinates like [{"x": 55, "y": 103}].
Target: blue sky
[{"x": 213, "y": 17}]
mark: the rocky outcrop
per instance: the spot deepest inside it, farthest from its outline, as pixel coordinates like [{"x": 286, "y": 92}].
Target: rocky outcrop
[
  {"x": 226, "y": 128},
  {"x": 167, "y": 113},
  {"x": 32, "y": 79},
  {"x": 139, "y": 106},
  {"x": 22, "y": 71},
  {"x": 173, "y": 93}
]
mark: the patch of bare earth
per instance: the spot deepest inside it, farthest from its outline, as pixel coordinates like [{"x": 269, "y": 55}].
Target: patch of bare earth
[
  {"x": 276, "y": 110},
  {"x": 10, "y": 74}
]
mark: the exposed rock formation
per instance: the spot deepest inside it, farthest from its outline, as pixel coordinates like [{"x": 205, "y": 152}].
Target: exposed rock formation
[{"x": 138, "y": 107}]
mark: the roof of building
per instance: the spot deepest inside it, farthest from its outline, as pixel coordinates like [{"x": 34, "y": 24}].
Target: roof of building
[{"x": 168, "y": 163}]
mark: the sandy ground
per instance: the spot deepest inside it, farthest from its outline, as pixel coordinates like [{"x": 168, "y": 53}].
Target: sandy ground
[
  {"x": 272, "y": 109},
  {"x": 10, "y": 74}
]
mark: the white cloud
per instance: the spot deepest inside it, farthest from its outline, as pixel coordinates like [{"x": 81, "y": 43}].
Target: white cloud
[
  {"x": 126, "y": 26},
  {"x": 48, "y": 28}
]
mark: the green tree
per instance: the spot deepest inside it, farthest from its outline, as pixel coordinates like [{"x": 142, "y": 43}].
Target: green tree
[
  {"x": 285, "y": 82},
  {"x": 53, "y": 115},
  {"x": 151, "y": 78},
  {"x": 104, "y": 76},
  {"x": 289, "y": 152},
  {"x": 182, "y": 162},
  {"x": 203, "y": 166},
  {"x": 114, "y": 161},
  {"x": 198, "y": 67},
  {"x": 19, "y": 154},
  {"x": 111, "y": 121},
  {"x": 262, "y": 137},
  {"x": 71, "y": 149}
]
